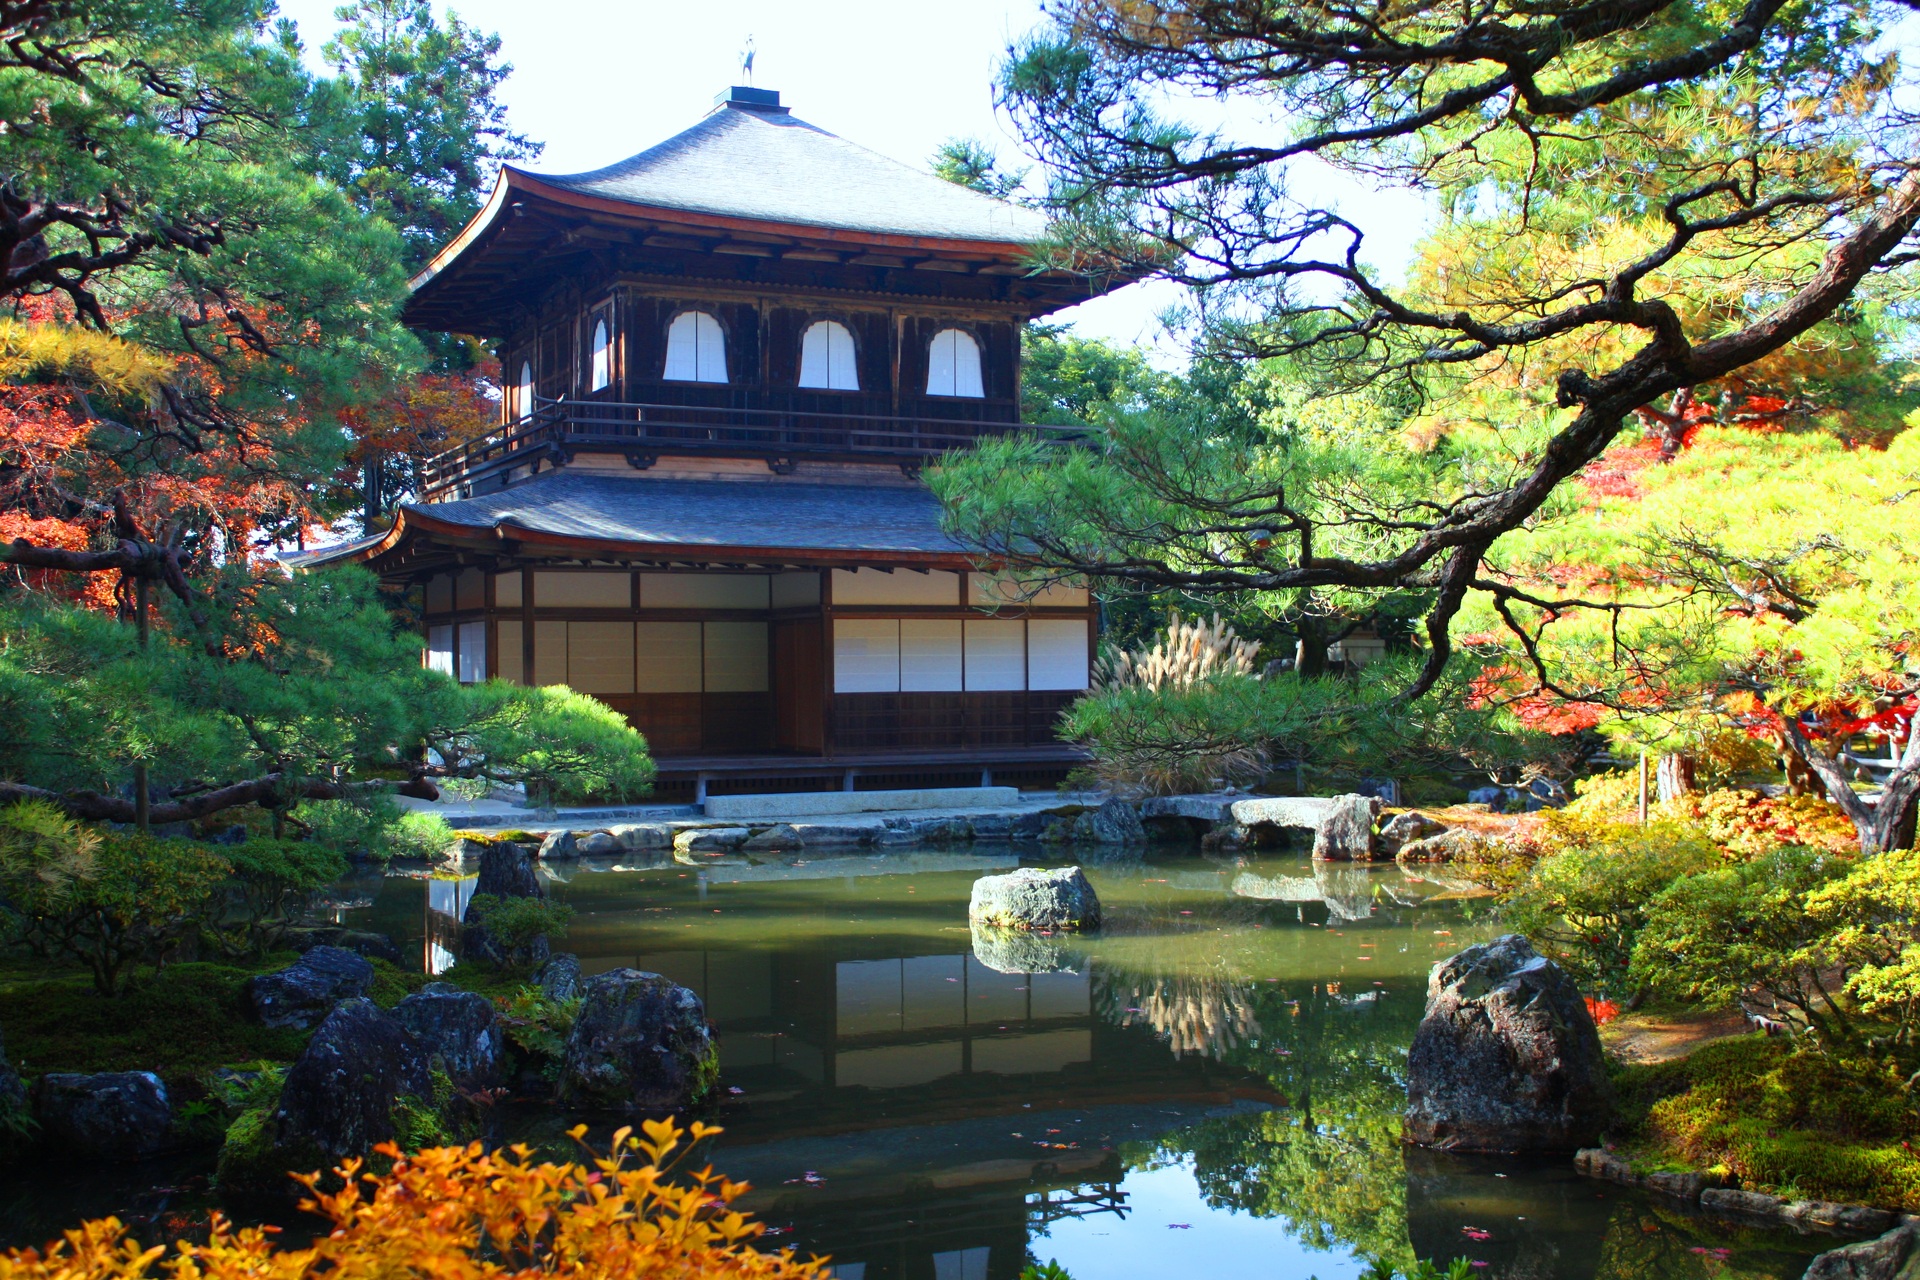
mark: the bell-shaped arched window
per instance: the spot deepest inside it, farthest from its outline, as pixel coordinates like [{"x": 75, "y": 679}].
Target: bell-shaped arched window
[
  {"x": 600, "y": 359},
  {"x": 953, "y": 365},
  {"x": 826, "y": 357},
  {"x": 696, "y": 349},
  {"x": 523, "y": 392}
]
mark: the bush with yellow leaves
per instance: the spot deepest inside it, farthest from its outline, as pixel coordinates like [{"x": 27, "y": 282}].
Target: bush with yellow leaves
[{"x": 463, "y": 1213}]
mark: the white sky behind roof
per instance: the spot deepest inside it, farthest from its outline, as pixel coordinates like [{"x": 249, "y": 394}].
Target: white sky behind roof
[{"x": 598, "y": 80}]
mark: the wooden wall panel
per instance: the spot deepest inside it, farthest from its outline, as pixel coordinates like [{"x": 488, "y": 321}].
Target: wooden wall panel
[
  {"x": 799, "y": 684},
  {"x": 736, "y": 722},
  {"x": 945, "y": 721},
  {"x": 671, "y": 721}
]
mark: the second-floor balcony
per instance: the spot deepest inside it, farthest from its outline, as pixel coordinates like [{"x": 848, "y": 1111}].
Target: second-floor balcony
[{"x": 557, "y": 429}]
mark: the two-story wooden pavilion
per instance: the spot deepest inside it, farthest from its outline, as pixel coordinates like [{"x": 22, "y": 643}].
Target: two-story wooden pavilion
[{"x": 726, "y": 359}]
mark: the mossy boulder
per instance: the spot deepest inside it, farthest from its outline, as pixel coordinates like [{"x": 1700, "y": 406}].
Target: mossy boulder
[
  {"x": 639, "y": 1044},
  {"x": 15, "y": 1116},
  {"x": 303, "y": 993},
  {"x": 459, "y": 1031},
  {"x": 1507, "y": 1058},
  {"x": 1032, "y": 898},
  {"x": 359, "y": 1083},
  {"x": 114, "y": 1115}
]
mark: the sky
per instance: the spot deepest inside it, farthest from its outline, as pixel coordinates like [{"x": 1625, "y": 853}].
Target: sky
[{"x": 598, "y": 80}]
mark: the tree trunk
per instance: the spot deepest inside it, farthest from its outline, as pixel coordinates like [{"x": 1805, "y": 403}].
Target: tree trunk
[
  {"x": 1677, "y": 776},
  {"x": 1310, "y": 648},
  {"x": 94, "y": 806},
  {"x": 142, "y": 782},
  {"x": 1883, "y": 826},
  {"x": 1800, "y": 779}
]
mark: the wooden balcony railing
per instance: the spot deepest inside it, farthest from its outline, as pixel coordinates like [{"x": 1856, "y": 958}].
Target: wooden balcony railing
[{"x": 557, "y": 429}]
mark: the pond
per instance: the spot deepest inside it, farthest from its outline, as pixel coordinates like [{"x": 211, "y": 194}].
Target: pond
[{"x": 1210, "y": 1086}]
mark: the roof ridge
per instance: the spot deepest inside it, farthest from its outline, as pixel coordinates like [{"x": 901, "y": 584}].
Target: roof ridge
[{"x": 792, "y": 170}]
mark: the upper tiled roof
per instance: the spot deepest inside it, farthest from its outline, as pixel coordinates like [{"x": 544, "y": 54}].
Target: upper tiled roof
[{"x": 763, "y": 164}]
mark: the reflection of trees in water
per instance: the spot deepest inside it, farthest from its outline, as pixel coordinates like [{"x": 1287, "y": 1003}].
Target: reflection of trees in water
[
  {"x": 1329, "y": 1164},
  {"x": 1202, "y": 1013},
  {"x": 1658, "y": 1242}
]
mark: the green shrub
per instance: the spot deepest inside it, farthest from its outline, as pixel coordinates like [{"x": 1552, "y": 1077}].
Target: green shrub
[
  {"x": 277, "y": 883},
  {"x": 1777, "y": 1118},
  {"x": 376, "y": 827},
  {"x": 515, "y": 924},
  {"x": 417, "y": 835},
  {"x": 1869, "y": 919},
  {"x": 352, "y": 828},
  {"x": 1585, "y": 904},
  {"x": 563, "y": 747},
  {"x": 108, "y": 901},
  {"x": 538, "y": 1025},
  {"x": 1725, "y": 934}
]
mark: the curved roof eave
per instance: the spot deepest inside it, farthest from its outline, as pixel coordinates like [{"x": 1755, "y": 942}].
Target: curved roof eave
[
  {"x": 511, "y": 181},
  {"x": 410, "y": 522}
]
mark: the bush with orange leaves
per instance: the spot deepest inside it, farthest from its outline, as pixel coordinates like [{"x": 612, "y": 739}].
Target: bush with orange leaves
[{"x": 463, "y": 1213}]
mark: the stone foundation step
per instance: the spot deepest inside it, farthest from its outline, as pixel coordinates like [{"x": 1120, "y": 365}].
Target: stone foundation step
[{"x": 815, "y": 803}]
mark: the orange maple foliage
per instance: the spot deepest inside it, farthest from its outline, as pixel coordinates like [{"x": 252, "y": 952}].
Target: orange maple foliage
[
  {"x": 102, "y": 440},
  {"x": 463, "y": 1213},
  {"x": 427, "y": 414}
]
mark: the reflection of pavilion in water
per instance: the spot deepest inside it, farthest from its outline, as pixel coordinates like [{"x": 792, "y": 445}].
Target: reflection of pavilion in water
[{"x": 920, "y": 1087}]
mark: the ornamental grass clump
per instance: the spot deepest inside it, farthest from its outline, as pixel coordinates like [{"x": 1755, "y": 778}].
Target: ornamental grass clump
[
  {"x": 1180, "y": 714},
  {"x": 464, "y": 1213},
  {"x": 1187, "y": 652}
]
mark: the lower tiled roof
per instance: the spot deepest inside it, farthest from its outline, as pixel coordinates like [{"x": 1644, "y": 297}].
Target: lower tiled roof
[{"x": 779, "y": 515}]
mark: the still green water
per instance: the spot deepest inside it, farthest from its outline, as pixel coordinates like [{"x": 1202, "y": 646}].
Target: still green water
[{"x": 1211, "y": 1086}]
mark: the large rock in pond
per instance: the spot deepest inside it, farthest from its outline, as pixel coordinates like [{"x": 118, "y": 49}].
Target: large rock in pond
[
  {"x": 559, "y": 978},
  {"x": 1893, "y": 1256},
  {"x": 13, "y": 1094},
  {"x": 1404, "y": 828},
  {"x": 1032, "y": 898},
  {"x": 303, "y": 993},
  {"x": 640, "y": 1043},
  {"x": 1345, "y": 834},
  {"x": 1507, "y": 1058},
  {"x": 458, "y": 1030},
  {"x": 506, "y": 871},
  {"x": 120, "y": 1115},
  {"x": 344, "y": 1095},
  {"x": 1116, "y": 822}
]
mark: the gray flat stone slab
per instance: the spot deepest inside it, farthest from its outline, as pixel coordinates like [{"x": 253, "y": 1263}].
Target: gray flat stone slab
[
  {"x": 822, "y": 803},
  {"x": 1198, "y": 808},
  {"x": 1305, "y": 812}
]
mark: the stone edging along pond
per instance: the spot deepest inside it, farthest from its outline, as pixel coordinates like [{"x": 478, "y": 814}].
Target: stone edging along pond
[
  {"x": 1707, "y": 1191},
  {"x": 1222, "y": 822}
]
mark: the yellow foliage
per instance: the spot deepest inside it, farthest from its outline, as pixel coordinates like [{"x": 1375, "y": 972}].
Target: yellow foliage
[
  {"x": 463, "y": 1213},
  {"x": 96, "y": 360},
  {"x": 1742, "y": 824}
]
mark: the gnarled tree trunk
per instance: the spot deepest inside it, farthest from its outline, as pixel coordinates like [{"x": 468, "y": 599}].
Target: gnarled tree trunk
[
  {"x": 1883, "y": 826},
  {"x": 1677, "y": 775}
]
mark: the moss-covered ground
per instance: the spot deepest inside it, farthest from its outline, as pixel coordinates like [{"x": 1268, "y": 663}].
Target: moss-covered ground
[
  {"x": 1792, "y": 1123},
  {"x": 179, "y": 1022}
]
